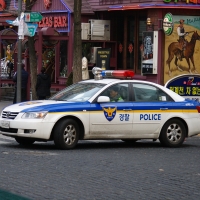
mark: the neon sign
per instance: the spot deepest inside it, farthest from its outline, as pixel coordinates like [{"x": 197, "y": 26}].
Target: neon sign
[
  {"x": 56, "y": 22},
  {"x": 186, "y": 1}
]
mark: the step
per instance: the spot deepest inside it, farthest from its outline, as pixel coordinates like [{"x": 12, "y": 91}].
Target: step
[
  {"x": 7, "y": 98},
  {"x": 7, "y": 93}
]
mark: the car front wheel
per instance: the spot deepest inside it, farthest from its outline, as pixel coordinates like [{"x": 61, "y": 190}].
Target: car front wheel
[
  {"x": 173, "y": 133},
  {"x": 66, "y": 134}
]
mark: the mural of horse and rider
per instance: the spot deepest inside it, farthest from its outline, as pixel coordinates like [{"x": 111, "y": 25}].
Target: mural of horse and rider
[{"x": 182, "y": 54}]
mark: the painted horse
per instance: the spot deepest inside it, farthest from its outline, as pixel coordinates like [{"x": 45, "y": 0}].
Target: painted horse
[{"x": 175, "y": 50}]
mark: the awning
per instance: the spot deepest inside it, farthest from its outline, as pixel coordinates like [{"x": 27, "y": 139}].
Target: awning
[{"x": 150, "y": 6}]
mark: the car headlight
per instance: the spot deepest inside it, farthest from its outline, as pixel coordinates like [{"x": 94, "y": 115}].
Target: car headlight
[{"x": 34, "y": 115}]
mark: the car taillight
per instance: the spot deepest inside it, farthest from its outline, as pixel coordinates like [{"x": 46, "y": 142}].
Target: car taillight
[{"x": 198, "y": 108}]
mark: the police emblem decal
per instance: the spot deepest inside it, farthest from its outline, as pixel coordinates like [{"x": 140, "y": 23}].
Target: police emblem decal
[{"x": 110, "y": 112}]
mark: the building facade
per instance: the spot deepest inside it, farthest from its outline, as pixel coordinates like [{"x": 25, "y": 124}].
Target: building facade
[{"x": 136, "y": 39}]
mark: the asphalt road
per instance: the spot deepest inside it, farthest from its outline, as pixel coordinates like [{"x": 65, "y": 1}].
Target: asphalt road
[{"x": 98, "y": 170}]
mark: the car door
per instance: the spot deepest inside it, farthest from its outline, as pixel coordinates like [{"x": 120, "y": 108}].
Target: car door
[
  {"x": 112, "y": 119},
  {"x": 151, "y": 107}
]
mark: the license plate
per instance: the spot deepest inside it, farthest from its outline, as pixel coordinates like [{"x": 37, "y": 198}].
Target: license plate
[{"x": 5, "y": 124}]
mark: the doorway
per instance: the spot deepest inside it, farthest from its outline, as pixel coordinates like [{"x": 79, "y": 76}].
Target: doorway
[{"x": 129, "y": 37}]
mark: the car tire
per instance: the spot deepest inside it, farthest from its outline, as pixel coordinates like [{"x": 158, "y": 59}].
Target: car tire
[
  {"x": 173, "y": 133},
  {"x": 129, "y": 141},
  {"x": 66, "y": 134},
  {"x": 24, "y": 141}
]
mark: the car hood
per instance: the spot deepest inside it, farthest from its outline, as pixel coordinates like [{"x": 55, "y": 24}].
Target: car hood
[{"x": 46, "y": 105}]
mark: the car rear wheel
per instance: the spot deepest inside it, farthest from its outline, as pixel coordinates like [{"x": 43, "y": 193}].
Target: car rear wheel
[
  {"x": 173, "y": 133},
  {"x": 66, "y": 134},
  {"x": 24, "y": 141}
]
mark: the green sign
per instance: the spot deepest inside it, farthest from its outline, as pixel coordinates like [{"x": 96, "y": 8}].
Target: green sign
[
  {"x": 168, "y": 24},
  {"x": 32, "y": 17}
]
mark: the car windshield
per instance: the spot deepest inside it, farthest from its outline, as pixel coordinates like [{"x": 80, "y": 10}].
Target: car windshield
[{"x": 79, "y": 92}]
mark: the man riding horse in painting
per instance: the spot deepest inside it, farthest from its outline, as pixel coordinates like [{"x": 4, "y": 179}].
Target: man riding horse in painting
[
  {"x": 182, "y": 41},
  {"x": 187, "y": 52}
]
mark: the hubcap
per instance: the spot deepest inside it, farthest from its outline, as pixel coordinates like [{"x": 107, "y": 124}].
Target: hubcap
[
  {"x": 69, "y": 134},
  {"x": 174, "y": 133}
]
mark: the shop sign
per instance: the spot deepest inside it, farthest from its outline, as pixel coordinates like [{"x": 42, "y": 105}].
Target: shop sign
[
  {"x": 103, "y": 58},
  {"x": 168, "y": 24},
  {"x": 186, "y": 1},
  {"x": 186, "y": 85},
  {"x": 55, "y": 22}
]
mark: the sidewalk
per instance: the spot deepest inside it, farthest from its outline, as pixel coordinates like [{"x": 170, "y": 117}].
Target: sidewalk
[{"x": 4, "y": 104}]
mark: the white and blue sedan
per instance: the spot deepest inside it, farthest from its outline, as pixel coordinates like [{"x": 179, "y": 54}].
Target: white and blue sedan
[{"x": 87, "y": 110}]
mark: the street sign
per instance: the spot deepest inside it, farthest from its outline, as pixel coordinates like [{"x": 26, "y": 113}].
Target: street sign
[
  {"x": 32, "y": 28},
  {"x": 33, "y": 17}
]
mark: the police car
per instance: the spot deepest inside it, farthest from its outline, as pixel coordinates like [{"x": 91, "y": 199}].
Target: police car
[{"x": 86, "y": 111}]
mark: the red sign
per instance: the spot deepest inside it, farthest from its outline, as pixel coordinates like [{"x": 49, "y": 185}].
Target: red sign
[
  {"x": 47, "y": 4},
  {"x": 2, "y": 5},
  {"x": 55, "y": 22}
]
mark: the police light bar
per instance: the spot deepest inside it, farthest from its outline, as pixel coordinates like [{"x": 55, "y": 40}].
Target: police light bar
[
  {"x": 117, "y": 73},
  {"x": 99, "y": 73}
]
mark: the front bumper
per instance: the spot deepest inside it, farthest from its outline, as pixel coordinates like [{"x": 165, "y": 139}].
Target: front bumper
[{"x": 31, "y": 128}]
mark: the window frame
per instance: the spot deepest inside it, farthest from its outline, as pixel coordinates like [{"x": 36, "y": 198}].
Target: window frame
[{"x": 158, "y": 90}]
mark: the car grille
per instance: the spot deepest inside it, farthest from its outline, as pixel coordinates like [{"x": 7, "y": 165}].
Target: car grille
[
  {"x": 9, "y": 130},
  {"x": 9, "y": 115}
]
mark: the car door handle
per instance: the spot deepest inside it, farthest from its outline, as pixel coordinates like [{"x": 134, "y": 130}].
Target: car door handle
[
  {"x": 163, "y": 108},
  {"x": 127, "y": 109}
]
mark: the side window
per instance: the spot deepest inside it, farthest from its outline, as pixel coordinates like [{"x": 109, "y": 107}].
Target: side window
[
  {"x": 148, "y": 93},
  {"x": 117, "y": 93}
]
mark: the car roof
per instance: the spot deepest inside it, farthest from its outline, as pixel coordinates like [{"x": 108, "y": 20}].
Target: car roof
[
  {"x": 110, "y": 80},
  {"x": 104, "y": 81}
]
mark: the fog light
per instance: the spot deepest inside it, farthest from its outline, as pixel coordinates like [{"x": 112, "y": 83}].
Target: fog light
[{"x": 29, "y": 131}]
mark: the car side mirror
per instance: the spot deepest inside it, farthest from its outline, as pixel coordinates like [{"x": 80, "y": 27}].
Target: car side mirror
[{"x": 103, "y": 99}]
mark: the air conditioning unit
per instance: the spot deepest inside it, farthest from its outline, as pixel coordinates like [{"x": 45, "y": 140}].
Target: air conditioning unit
[
  {"x": 99, "y": 29},
  {"x": 93, "y": 54},
  {"x": 85, "y": 31}
]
